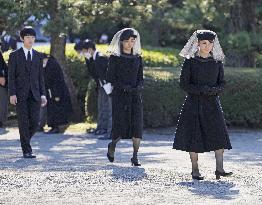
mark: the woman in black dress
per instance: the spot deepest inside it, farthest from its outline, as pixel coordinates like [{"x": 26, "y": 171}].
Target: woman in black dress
[
  {"x": 125, "y": 73},
  {"x": 201, "y": 126}
]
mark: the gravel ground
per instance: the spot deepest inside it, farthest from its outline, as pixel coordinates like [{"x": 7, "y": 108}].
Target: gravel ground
[{"x": 73, "y": 169}]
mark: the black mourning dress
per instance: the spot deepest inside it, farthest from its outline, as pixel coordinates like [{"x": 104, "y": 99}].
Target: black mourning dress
[
  {"x": 125, "y": 73},
  {"x": 201, "y": 126}
]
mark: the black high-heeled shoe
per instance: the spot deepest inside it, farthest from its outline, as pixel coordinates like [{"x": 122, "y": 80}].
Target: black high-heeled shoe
[
  {"x": 111, "y": 159},
  {"x": 222, "y": 174},
  {"x": 135, "y": 162},
  {"x": 197, "y": 177}
]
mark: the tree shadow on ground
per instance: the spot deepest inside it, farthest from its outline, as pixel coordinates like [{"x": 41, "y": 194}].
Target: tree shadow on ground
[
  {"x": 215, "y": 189},
  {"x": 246, "y": 148},
  {"x": 3, "y": 131},
  {"x": 68, "y": 153}
]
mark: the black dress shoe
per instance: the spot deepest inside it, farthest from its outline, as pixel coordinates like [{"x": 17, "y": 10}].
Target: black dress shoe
[
  {"x": 100, "y": 132},
  {"x": 53, "y": 130},
  {"x": 1, "y": 125},
  {"x": 105, "y": 137},
  {"x": 197, "y": 177},
  {"x": 90, "y": 131},
  {"x": 111, "y": 159},
  {"x": 29, "y": 156},
  {"x": 222, "y": 174},
  {"x": 135, "y": 162}
]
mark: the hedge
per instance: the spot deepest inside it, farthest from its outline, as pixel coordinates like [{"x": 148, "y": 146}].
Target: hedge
[
  {"x": 241, "y": 101},
  {"x": 78, "y": 72}
]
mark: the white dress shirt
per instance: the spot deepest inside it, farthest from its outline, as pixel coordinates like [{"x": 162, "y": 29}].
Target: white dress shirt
[{"x": 26, "y": 52}]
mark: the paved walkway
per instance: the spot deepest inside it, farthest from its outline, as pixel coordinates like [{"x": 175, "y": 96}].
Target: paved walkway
[{"x": 73, "y": 169}]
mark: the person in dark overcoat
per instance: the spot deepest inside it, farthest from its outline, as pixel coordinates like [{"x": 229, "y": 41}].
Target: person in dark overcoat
[
  {"x": 97, "y": 68},
  {"x": 125, "y": 73},
  {"x": 201, "y": 126},
  {"x": 59, "y": 107},
  {"x": 8, "y": 42},
  {"x": 3, "y": 91}
]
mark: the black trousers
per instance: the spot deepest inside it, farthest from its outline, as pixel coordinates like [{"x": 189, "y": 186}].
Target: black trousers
[{"x": 28, "y": 118}]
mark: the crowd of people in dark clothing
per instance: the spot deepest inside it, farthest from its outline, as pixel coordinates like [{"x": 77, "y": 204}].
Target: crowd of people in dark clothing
[{"x": 34, "y": 83}]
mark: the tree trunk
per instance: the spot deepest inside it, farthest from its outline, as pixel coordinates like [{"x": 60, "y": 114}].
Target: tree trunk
[
  {"x": 58, "y": 45},
  {"x": 243, "y": 18}
]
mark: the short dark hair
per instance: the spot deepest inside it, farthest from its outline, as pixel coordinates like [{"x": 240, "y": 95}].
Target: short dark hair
[
  {"x": 78, "y": 46},
  {"x": 88, "y": 44},
  {"x": 27, "y": 31}
]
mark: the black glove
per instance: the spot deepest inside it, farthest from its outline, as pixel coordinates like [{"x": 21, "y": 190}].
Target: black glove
[
  {"x": 210, "y": 91},
  {"x": 140, "y": 87},
  {"x": 127, "y": 88},
  {"x": 204, "y": 90}
]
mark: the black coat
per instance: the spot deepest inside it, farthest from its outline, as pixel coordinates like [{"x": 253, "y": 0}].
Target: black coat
[
  {"x": 97, "y": 68},
  {"x": 125, "y": 73},
  {"x": 201, "y": 126},
  {"x": 23, "y": 78},
  {"x": 11, "y": 44},
  {"x": 3, "y": 70},
  {"x": 59, "y": 106}
]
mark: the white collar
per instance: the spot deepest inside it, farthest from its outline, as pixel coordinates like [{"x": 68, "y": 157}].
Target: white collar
[
  {"x": 94, "y": 56},
  {"x": 26, "y": 50}
]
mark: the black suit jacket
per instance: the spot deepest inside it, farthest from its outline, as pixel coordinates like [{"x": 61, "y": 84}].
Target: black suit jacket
[
  {"x": 3, "y": 69},
  {"x": 22, "y": 79},
  {"x": 97, "y": 68}
]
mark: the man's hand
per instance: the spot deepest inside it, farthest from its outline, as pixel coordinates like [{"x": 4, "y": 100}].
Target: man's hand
[
  {"x": 43, "y": 101},
  {"x": 2, "y": 81},
  {"x": 13, "y": 100}
]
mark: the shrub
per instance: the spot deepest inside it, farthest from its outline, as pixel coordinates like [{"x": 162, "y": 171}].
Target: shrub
[
  {"x": 163, "y": 99},
  {"x": 241, "y": 101}
]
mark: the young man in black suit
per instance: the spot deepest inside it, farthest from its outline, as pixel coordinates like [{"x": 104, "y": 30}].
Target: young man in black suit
[{"x": 26, "y": 88}]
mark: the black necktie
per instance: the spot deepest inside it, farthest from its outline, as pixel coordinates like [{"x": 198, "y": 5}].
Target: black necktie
[{"x": 28, "y": 57}]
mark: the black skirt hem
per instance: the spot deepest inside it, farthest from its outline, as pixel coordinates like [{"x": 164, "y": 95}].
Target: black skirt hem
[
  {"x": 201, "y": 150},
  {"x": 127, "y": 138}
]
